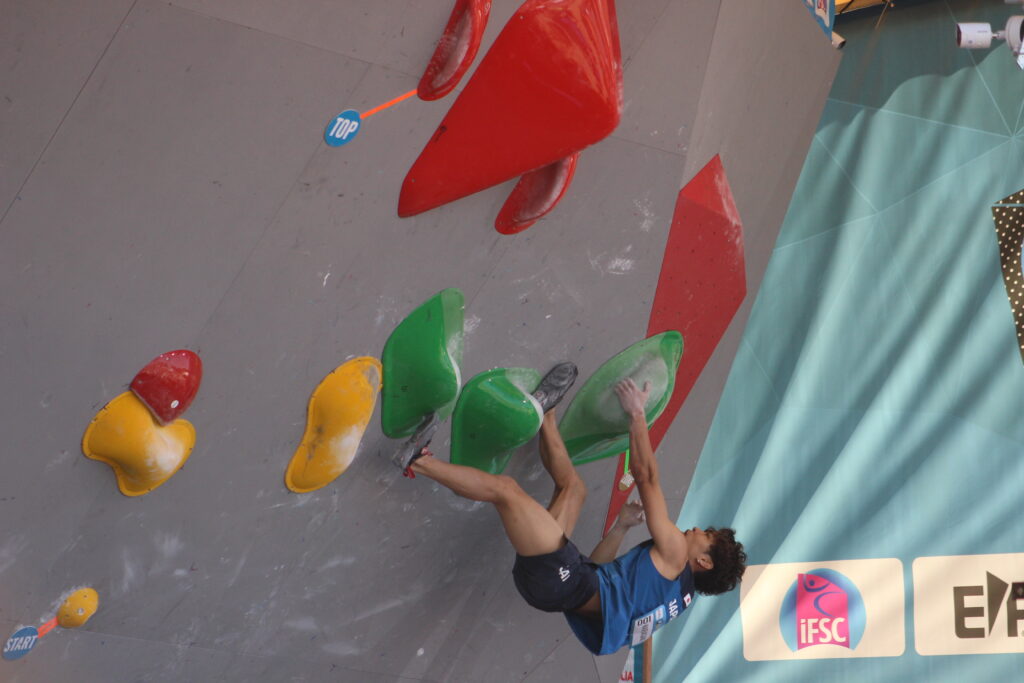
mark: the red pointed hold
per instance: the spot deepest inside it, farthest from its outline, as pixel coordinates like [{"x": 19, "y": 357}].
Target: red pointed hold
[
  {"x": 701, "y": 286},
  {"x": 456, "y": 50},
  {"x": 549, "y": 86},
  {"x": 710, "y": 189},
  {"x": 168, "y": 384},
  {"x": 535, "y": 195}
]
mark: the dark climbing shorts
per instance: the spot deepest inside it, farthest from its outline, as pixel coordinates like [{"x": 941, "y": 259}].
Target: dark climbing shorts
[{"x": 557, "y": 582}]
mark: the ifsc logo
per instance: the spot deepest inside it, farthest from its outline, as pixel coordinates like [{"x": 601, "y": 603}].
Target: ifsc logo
[
  {"x": 823, "y": 610},
  {"x": 822, "y": 607}
]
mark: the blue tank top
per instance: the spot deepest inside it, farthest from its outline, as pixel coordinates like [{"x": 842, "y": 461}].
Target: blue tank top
[{"x": 636, "y": 600}]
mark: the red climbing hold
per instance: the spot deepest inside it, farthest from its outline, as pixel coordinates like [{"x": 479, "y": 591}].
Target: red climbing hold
[
  {"x": 702, "y": 283},
  {"x": 535, "y": 195},
  {"x": 168, "y": 384},
  {"x": 456, "y": 50},
  {"x": 549, "y": 86}
]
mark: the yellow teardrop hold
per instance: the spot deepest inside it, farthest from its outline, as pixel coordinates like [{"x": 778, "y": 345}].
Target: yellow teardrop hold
[
  {"x": 339, "y": 410},
  {"x": 143, "y": 453},
  {"x": 78, "y": 607}
]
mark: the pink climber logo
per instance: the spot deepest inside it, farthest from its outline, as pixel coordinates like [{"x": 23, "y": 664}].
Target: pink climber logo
[
  {"x": 821, "y": 612},
  {"x": 822, "y": 607}
]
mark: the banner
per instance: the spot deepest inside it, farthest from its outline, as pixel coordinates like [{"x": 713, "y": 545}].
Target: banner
[
  {"x": 867, "y": 446},
  {"x": 824, "y": 12}
]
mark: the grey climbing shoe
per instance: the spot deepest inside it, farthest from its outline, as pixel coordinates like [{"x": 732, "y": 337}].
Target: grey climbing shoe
[
  {"x": 413, "y": 447},
  {"x": 554, "y": 385}
]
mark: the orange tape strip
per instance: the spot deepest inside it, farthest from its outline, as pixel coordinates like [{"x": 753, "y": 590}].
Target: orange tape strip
[
  {"x": 47, "y": 627},
  {"x": 388, "y": 104}
]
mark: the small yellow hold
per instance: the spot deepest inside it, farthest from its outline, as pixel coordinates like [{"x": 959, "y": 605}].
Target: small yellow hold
[
  {"x": 78, "y": 607},
  {"x": 143, "y": 453},
  {"x": 339, "y": 410}
]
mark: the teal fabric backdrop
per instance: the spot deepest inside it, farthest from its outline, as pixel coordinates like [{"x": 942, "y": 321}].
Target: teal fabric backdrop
[{"x": 874, "y": 409}]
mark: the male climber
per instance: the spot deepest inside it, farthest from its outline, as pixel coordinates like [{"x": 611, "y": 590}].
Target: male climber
[{"x": 608, "y": 602}]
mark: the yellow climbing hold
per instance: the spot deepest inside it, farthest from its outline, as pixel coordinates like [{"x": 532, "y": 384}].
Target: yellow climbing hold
[
  {"x": 143, "y": 453},
  {"x": 78, "y": 607},
  {"x": 339, "y": 410}
]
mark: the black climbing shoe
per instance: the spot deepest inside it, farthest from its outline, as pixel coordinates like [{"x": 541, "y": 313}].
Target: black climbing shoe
[{"x": 554, "y": 385}]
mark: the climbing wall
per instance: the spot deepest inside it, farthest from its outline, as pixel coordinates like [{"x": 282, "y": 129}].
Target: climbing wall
[{"x": 165, "y": 184}]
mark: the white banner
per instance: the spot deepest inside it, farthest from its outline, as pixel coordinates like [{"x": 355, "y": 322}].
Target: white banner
[
  {"x": 823, "y": 610},
  {"x": 969, "y": 604}
]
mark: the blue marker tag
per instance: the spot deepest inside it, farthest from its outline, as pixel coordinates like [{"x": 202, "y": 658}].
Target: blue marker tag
[
  {"x": 343, "y": 128},
  {"x": 19, "y": 644}
]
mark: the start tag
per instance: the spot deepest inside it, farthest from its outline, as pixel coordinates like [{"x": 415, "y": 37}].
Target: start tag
[{"x": 20, "y": 643}]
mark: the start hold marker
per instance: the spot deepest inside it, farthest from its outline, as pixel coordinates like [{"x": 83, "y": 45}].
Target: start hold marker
[
  {"x": 20, "y": 643},
  {"x": 343, "y": 128}
]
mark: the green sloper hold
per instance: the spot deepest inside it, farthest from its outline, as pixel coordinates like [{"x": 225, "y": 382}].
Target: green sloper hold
[
  {"x": 421, "y": 364},
  {"x": 494, "y": 416},
  {"x": 594, "y": 425}
]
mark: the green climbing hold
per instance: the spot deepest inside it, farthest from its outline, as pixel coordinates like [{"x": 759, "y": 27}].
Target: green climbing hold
[
  {"x": 421, "y": 364},
  {"x": 594, "y": 425},
  {"x": 494, "y": 416}
]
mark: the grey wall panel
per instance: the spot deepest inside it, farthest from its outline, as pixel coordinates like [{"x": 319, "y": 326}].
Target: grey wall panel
[
  {"x": 398, "y": 34},
  {"x": 84, "y": 655},
  {"x": 636, "y": 21},
  {"x": 154, "y": 193},
  {"x": 765, "y": 65},
  {"x": 662, "y": 82},
  {"x": 262, "y": 668},
  {"x": 126, "y": 237},
  {"x": 48, "y": 48}
]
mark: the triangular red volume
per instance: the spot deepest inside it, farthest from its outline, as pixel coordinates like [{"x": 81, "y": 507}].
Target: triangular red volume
[
  {"x": 701, "y": 286},
  {"x": 710, "y": 189},
  {"x": 549, "y": 86}
]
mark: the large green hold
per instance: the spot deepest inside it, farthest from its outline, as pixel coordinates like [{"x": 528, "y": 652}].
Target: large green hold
[
  {"x": 594, "y": 425},
  {"x": 494, "y": 416},
  {"x": 421, "y": 364}
]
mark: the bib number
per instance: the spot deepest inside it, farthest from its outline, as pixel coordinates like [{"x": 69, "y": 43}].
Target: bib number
[{"x": 645, "y": 626}]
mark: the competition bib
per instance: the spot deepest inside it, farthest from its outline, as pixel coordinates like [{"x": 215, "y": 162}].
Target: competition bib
[{"x": 645, "y": 626}]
